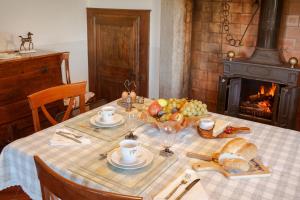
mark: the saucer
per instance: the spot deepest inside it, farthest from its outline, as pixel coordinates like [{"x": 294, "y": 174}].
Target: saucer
[
  {"x": 115, "y": 119},
  {"x": 93, "y": 121},
  {"x": 144, "y": 159},
  {"x": 117, "y": 159}
]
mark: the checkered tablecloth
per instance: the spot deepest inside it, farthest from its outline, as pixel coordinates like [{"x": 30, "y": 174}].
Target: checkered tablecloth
[{"x": 278, "y": 149}]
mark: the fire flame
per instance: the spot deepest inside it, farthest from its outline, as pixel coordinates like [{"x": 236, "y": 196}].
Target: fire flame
[
  {"x": 262, "y": 90},
  {"x": 271, "y": 91},
  {"x": 266, "y": 105}
]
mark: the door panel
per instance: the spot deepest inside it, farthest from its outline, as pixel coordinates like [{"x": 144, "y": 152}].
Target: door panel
[{"x": 117, "y": 45}]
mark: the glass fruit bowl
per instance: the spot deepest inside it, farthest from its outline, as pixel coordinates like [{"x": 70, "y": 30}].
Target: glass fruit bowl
[
  {"x": 168, "y": 133},
  {"x": 179, "y": 124}
]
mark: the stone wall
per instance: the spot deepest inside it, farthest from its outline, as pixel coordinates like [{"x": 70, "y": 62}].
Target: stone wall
[{"x": 209, "y": 45}]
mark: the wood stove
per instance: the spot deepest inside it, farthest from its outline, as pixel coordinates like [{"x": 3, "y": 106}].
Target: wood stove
[{"x": 261, "y": 88}]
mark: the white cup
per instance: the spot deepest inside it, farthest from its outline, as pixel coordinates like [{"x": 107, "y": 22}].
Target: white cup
[
  {"x": 129, "y": 151},
  {"x": 106, "y": 113},
  {"x": 206, "y": 124}
]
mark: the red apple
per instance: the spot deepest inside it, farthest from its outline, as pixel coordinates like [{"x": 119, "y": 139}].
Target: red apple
[{"x": 154, "y": 108}]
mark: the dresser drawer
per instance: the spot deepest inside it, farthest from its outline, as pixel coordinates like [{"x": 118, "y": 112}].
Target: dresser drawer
[
  {"x": 11, "y": 69},
  {"x": 16, "y": 88},
  {"x": 13, "y": 111}
]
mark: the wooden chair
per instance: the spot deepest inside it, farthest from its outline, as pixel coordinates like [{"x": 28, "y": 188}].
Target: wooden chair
[
  {"x": 41, "y": 98},
  {"x": 65, "y": 57},
  {"x": 53, "y": 185}
]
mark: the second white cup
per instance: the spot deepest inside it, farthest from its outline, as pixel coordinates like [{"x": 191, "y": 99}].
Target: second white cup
[
  {"x": 106, "y": 113},
  {"x": 129, "y": 151}
]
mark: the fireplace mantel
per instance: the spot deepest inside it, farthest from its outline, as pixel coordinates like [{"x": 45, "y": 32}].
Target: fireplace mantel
[{"x": 264, "y": 72}]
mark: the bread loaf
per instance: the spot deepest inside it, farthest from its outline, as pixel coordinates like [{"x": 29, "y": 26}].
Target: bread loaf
[
  {"x": 233, "y": 145},
  {"x": 236, "y": 164},
  {"x": 248, "y": 151},
  {"x": 240, "y": 147},
  {"x": 236, "y": 154}
]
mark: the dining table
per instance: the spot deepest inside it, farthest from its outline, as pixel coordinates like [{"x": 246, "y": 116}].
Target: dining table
[{"x": 278, "y": 149}]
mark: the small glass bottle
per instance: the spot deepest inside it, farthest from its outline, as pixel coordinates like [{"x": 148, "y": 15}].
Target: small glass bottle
[{"x": 128, "y": 103}]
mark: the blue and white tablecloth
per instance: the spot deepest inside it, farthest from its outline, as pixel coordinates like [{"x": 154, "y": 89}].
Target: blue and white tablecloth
[{"x": 278, "y": 149}]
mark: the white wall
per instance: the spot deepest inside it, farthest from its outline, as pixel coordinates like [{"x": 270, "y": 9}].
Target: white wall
[
  {"x": 154, "y": 6},
  {"x": 56, "y": 24},
  {"x": 61, "y": 25}
]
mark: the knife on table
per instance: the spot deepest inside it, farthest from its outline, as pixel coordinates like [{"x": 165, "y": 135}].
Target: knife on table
[
  {"x": 188, "y": 188},
  {"x": 69, "y": 137},
  {"x": 213, "y": 157}
]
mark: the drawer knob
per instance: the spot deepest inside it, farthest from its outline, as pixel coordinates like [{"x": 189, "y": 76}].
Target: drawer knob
[{"x": 44, "y": 70}]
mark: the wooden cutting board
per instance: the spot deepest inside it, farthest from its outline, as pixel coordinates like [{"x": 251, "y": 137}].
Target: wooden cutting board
[
  {"x": 234, "y": 131},
  {"x": 257, "y": 169}
]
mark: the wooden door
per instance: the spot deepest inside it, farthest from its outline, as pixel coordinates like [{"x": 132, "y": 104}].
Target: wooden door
[{"x": 118, "y": 49}]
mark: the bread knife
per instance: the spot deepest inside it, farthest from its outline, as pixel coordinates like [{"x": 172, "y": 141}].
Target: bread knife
[{"x": 214, "y": 157}]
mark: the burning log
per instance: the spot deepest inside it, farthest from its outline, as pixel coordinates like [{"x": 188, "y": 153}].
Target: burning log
[
  {"x": 259, "y": 104},
  {"x": 259, "y": 97},
  {"x": 255, "y": 97}
]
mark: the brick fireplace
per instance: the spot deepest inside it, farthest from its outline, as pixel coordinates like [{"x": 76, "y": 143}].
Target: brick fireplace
[
  {"x": 208, "y": 47},
  {"x": 261, "y": 88}
]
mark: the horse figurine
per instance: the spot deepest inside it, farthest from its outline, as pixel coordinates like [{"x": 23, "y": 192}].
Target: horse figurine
[{"x": 24, "y": 40}]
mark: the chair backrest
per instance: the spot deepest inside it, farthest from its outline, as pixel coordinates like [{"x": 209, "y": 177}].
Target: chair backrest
[
  {"x": 41, "y": 98},
  {"x": 53, "y": 185},
  {"x": 65, "y": 57}
]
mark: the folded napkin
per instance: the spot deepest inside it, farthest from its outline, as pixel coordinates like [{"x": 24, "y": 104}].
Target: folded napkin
[
  {"x": 59, "y": 140},
  {"x": 196, "y": 192}
]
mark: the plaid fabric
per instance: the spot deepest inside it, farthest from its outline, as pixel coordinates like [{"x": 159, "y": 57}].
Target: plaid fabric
[{"x": 278, "y": 149}]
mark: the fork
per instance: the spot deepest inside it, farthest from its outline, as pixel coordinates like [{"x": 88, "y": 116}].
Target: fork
[{"x": 184, "y": 181}]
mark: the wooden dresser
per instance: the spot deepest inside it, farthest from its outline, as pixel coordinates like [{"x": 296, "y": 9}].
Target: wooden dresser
[{"x": 20, "y": 77}]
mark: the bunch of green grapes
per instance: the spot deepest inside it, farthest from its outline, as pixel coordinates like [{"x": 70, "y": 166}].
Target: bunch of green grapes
[{"x": 194, "y": 108}]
